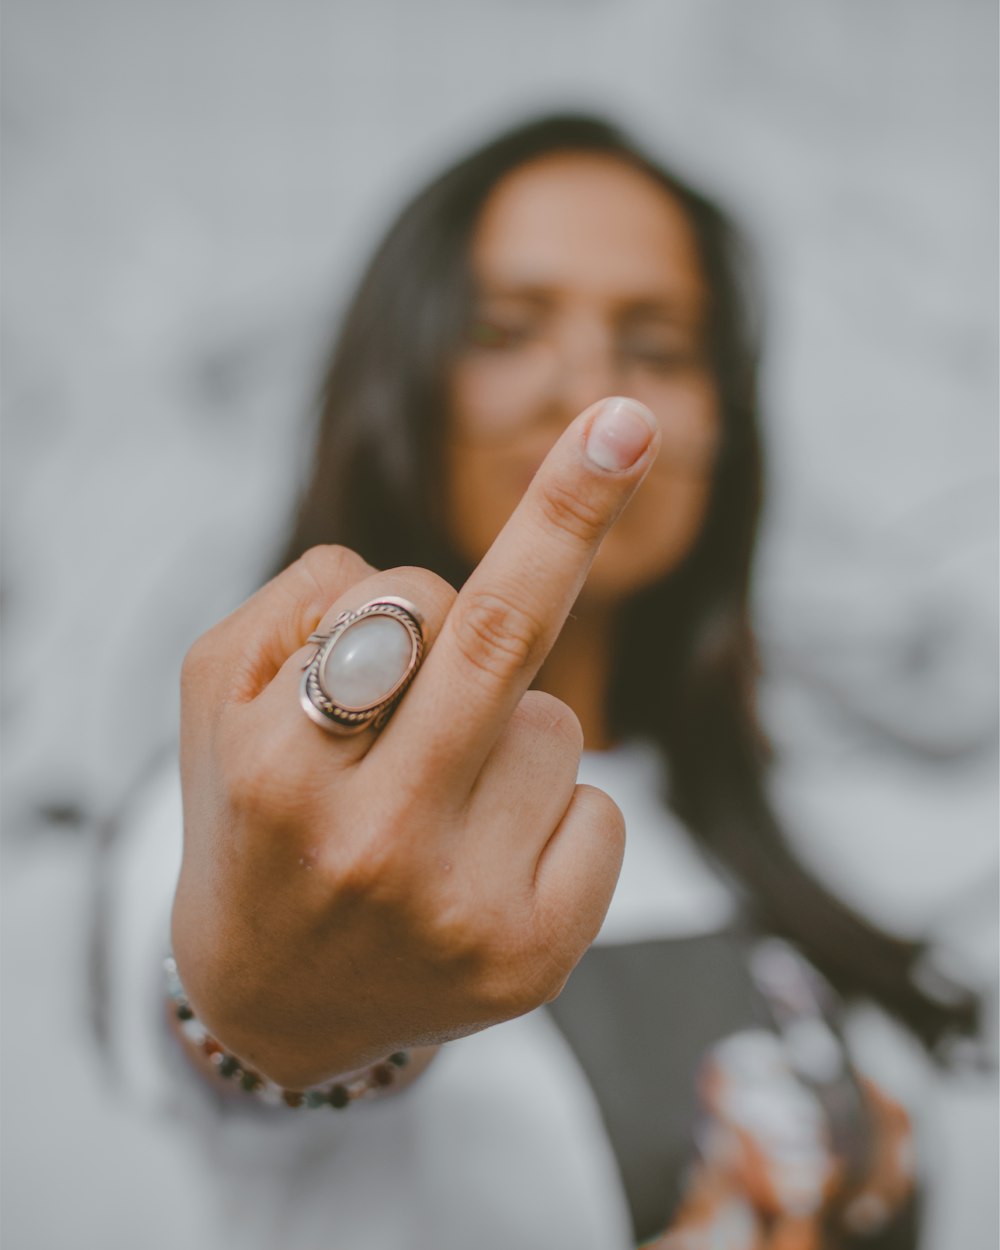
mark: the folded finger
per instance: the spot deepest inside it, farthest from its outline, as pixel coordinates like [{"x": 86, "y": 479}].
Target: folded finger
[{"x": 370, "y": 660}]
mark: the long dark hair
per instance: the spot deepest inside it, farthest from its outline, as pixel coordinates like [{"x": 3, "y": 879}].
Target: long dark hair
[{"x": 685, "y": 664}]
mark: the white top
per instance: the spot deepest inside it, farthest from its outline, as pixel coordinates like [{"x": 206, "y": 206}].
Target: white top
[
  {"x": 666, "y": 889},
  {"x": 499, "y": 1145}
]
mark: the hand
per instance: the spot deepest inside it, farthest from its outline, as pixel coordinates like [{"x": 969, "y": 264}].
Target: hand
[{"x": 343, "y": 898}]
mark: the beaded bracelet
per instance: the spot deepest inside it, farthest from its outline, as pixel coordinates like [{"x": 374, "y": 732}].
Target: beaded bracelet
[{"x": 337, "y": 1093}]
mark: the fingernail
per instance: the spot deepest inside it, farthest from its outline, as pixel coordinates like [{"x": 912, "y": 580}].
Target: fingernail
[{"x": 619, "y": 434}]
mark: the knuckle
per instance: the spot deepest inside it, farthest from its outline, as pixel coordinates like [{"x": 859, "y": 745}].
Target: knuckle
[
  {"x": 360, "y": 871},
  {"x": 251, "y": 782},
  {"x": 330, "y": 565},
  {"x": 372, "y": 859},
  {"x": 426, "y": 579},
  {"x": 431, "y": 594},
  {"x": 263, "y": 777},
  {"x": 457, "y": 926},
  {"x": 465, "y": 937},
  {"x": 569, "y": 513},
  {"x": 199, "y": 663},
  {"x": 494, "y": 635},
  {"x": 457, "y": 939}
]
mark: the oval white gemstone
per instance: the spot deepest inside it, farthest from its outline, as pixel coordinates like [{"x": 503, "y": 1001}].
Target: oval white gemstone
[{"x": 366, "y": 662}]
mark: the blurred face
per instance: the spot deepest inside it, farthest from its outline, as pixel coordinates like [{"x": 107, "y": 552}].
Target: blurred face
[{"x": 587, "y": 284}]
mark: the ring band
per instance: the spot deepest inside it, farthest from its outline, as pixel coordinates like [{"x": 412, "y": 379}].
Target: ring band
[{"x": 363, "y": 665}]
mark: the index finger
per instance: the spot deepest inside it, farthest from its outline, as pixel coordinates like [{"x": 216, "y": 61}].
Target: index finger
[{"x": 510, "y": 611}]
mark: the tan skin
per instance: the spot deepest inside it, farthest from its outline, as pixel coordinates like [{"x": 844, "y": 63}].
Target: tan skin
[{"x": 341, "y": 899}]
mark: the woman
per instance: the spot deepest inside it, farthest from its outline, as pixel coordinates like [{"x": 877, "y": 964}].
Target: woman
[{"x": 354, "y": 904}]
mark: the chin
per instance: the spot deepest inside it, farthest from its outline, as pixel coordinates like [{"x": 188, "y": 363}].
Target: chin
[{"x": 622, "y": 569}]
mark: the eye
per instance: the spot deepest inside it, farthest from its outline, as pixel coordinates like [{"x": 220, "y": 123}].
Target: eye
[
  {"x": 660, "y": 354},
  {"x": 497, "y": 333}
]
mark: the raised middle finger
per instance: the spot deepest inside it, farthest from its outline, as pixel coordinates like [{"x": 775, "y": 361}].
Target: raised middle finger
[{"x": 510, "y": 611}]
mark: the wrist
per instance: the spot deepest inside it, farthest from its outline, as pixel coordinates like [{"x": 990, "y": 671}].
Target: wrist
[{"x": 229, "y": 1070}]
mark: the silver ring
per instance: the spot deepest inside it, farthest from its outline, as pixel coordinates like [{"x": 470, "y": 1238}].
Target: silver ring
[{"x": 363, "y": 665}]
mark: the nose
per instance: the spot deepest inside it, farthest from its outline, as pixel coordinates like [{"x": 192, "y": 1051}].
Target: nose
[{"x": 584, "y": 369}]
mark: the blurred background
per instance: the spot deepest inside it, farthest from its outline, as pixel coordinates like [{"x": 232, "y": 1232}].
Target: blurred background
[{"x": 190, "y": 190}]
